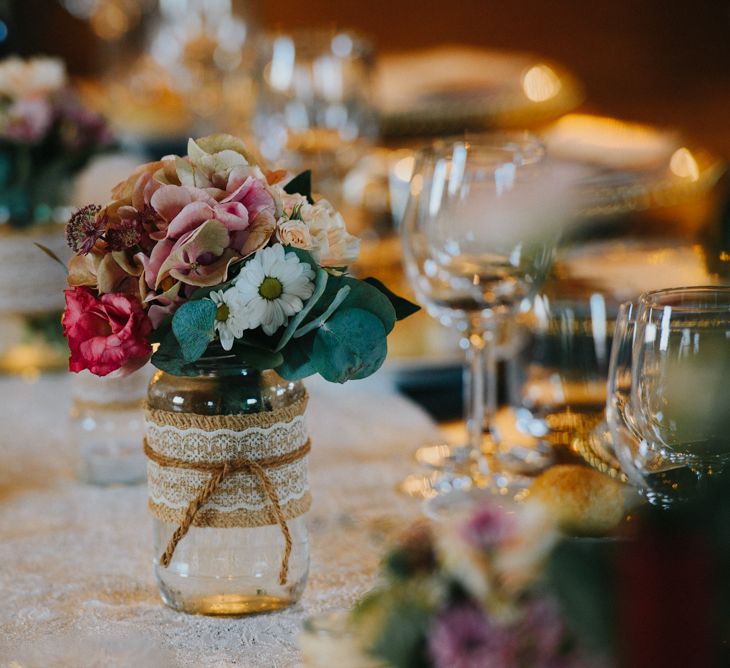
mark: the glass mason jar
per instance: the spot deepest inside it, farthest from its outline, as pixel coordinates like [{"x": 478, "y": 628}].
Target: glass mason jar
[
  {"x": 228, "y": 570},
  {"x": 107, "y": 425}
]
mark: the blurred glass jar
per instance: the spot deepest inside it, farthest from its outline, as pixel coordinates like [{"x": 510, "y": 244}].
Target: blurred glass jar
[
  {"x": 204, "y": 47},
  {"x": 107, "y": 423},
  {"x": 314, "y": 103},
  {"x": 186, "y": 72},
  {"x": 557, "y": 381}
]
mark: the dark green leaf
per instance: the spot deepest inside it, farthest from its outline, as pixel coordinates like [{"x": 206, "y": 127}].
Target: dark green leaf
[
  {"x": 320, "y": 282},
  {"x": 52, "y": 255},
  {"x": 302, "y": 185},
  {"x": 580, "y": 572},
  {"x": 162, "y": 330},
  {"x": 193, "y": 325},
  {"x": 403, "y": 307},
  {"x": 318, "y": 322},
  {"x": 303, "y": 255},
  {"x": 365, "y": 296},
  {"x": 168, "y": 356},
  {"x": 350, "y": 345},
  {"x": 297, "y": 363},
  {"x": 402, "y": 638},
  {"x": 362, "y": 295},
  {"x": 256, "y": 357}
]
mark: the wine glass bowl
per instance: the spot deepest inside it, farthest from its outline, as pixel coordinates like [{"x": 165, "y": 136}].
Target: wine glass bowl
[
  {"x": 673, "y": 430},
  {"x": 314, "y": 103},
  {"x": 464, "y": 262}
]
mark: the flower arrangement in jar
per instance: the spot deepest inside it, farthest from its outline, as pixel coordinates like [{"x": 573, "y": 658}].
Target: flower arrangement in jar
[{"x": 233, "y": 281}]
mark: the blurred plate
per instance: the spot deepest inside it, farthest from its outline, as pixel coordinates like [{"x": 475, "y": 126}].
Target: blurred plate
[
  {"x": 621, "y": 269},
  {"x": 631, "y": 166},
  {"x": 451, "y": 88}
]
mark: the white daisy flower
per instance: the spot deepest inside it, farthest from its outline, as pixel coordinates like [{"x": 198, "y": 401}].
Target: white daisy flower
[
  {"x": 273, "y": 286},
  {"x": 229, "y": 317}
]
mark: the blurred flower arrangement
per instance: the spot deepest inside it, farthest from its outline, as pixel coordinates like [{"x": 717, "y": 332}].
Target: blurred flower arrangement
[
  {"x": 46, "y": 136},
  {"x": 209, "y": 256},
  {"x": 470, "y": 595}
]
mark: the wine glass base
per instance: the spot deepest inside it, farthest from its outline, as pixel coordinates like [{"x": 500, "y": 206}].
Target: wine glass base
[
  {"x": 490, "y": 488},
  {"x": 429, "y": 484},
  {"x": 527, "y": 460},
  {"x": 440, "y": 456}
]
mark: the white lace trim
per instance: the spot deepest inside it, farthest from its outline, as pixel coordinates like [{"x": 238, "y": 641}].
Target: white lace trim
[
  {"x": 19, "y": 258},
  {"x": 172, "y": 489}
]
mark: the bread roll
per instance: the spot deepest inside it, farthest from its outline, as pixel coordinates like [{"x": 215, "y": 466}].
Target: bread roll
[{"x": 582, "y": 501}]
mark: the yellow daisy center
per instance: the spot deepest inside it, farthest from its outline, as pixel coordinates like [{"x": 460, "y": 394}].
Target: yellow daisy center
[
  {"x": 271, "y": 288},
  {"x": 222, "y": 313}
]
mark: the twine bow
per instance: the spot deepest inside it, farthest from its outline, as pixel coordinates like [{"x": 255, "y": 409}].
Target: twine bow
[{"x": 219, "y": 473}]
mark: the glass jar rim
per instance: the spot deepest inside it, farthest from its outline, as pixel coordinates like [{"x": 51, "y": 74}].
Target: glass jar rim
[
  {"x": 509, "y": 142},
  {"x": 673, "y": 297}
]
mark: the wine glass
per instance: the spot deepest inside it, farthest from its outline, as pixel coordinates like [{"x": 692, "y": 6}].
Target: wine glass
[
  {"x": 558, "y": 380},
  {"x": 478, "y": 234},
  {"x": 314, "y": 105},
  {"x": 678, "y": 397},
  {"x": 623, "y": 441}
]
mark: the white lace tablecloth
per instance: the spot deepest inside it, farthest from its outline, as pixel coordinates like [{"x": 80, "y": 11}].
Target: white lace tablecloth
[{"x": 75, "y": 560}]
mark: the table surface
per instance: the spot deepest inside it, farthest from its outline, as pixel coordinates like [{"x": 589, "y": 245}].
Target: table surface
[{"x": 76, "y": 560}]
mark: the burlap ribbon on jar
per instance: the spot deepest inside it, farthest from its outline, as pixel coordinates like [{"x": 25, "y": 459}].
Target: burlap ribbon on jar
[{"x": 225, "y": 471}]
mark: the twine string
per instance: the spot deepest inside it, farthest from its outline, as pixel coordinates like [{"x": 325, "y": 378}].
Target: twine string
[{"x": 218, "y": 473}]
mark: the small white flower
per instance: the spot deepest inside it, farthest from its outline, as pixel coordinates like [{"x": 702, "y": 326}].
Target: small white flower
[
  {"x": 273, "y": 286},
  {"x": 229, "y": 320}
]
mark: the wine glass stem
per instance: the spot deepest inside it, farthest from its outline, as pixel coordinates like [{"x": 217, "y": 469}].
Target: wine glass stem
[{"x": 480, "y": 387}]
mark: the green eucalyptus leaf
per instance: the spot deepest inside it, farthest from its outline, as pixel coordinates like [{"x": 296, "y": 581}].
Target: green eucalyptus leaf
[
  {"x": 365, "y": 296},
  {"x": 297, "y": 363},
  {"x": 320, "y": 283},
  {"x": 168, "y": 356},
  {"x": 303, "y": 255},
  {"x": 403, "y": 307},
  {"x": 318, "y": 322},
  {"x": 194, "y": 327},
  {"x": 350, "y": 345},
  {"x": 361, "y": 295},
  {"x": 302, "y": 185}
]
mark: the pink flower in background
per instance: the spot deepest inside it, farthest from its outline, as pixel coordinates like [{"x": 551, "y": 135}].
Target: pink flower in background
[
  {"x": 463, "y": 637},
  {"x": 107, "y": 333},
  {"x": 81, "y": 127},
  {"x": 542, "y": 629},
  {"x": 488, "y": 527}
]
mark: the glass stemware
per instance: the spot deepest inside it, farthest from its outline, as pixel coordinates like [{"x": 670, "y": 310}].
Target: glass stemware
[
  {"x": 314, "y": 103},
  {"x": 672, "y": 436},
  {"x": 559, "y": 379},
  {"x": 623, "y": 441},
  {"x": 478, "y": 234}
]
